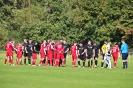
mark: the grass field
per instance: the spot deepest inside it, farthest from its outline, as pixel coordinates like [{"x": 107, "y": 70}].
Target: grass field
[{"x": 65, "y": 77}]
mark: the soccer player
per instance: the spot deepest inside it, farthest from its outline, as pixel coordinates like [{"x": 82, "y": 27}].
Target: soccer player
[
  {"x": 89, "y": 54},
  {"x": 74, "y": 54},
  {"x": 49, "y": 48},
  {"x": 25, "y": 50},
  {"x": 29, "y": 51},
  {"x": 66, "y": 49},
  {"x": 9, "y": 47},
  {"x": 42, "y": 53},
  {"x": 115, "y": 53},
  {"x": 104, "y": 48},
  {"x": 107, "y": 54},
  {"x": 81, "y": 54},
  {"x": 124, "y": 51},
  {"x": 19, "y": 54},
  {"x": 96, "y": 51},
  {"x": 34, "y": 53},
  {"x": 60, "y": 54},
  {"x": 107, "y": 58}
]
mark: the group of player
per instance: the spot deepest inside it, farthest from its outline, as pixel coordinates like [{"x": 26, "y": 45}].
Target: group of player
[{"x": 54, "y": 54}]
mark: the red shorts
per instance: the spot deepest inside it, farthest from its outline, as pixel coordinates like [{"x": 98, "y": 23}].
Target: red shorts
[
  {"x": 50, "y": 56},
  {"x": 9, "y": 53},
  {"x": 55, "y": 55},
  {"x": 34, "y": 56},
  {"x": 60, "y": 56},
  {"x": 19, "y": 55},
  {"x": 115, "y": 56},
  {"x": 74, "y": 56},
  {"x": 42, "y": 55}
]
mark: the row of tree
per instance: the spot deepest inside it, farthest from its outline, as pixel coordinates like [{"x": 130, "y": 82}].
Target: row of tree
[{"x": 72, "y": 20}]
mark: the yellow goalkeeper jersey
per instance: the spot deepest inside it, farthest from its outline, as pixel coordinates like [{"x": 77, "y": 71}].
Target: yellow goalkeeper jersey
[{"x": 104, "y": 48}]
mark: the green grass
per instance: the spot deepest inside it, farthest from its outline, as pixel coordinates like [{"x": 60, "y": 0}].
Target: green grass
[{"x": 65, "y": 77}]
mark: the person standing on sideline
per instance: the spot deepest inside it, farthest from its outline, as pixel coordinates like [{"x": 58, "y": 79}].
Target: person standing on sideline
[{"x": 124, "y": 51}]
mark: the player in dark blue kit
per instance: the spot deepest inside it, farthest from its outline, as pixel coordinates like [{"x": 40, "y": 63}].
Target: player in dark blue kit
[
  {"x": 81, "y": 54},
  {"x": 89, "y": 54},
  {"x": 96, "y": 52}
]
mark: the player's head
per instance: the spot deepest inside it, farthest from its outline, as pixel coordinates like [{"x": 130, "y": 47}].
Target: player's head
[
  {"x": 25, "y": 40},
  {"x": 105, "y": 42},
  {"x": 122, "y": 40},
  {"x": 80, "y": 44},
  {"x": 109, "y": 43},
  {"x": 94, "y": 43},
  {"x": 89, "y": 42},
  {"x": 10, "y": 40},
  {"x": 64, "y": 41},
  {"x": 30, "y": 41},
  {"x": 44, "y": 41},
  {"x": 75, "y": 43},
  {"x": 116, "y": 43}
]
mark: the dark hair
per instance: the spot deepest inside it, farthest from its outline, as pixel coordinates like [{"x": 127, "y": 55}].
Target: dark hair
[{"x": 122, "y": 39}]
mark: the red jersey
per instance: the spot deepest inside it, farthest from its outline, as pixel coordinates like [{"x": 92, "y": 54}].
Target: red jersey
[
  {"x": 59, "y": 48},
  {"x": 73, "y": 50},
  {"x": 9, "y": 46},
  {"x": 19, "y": 48},
  {"x": 115, "y": 50},
  {"x": 49, "y": 49},
  {"x": 43, "y": 48}
]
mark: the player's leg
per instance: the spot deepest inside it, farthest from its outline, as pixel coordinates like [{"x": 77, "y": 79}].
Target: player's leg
[
  {"x": 124, "y": 58},
  {"x": 25, "y": 56},
  {"x": 29, "y": 57},
  {"x": 79, "y": 57},
  {"x": 58, "y": 60},
  {"x": 115, "y": 60},
  {"x": 89, "y": 64},
  {"x": 65, "y": 55},
  {"x": 5, "y": 60},
  {"x": 96, "y": 61},
  {"x": 102, "y": 63}
]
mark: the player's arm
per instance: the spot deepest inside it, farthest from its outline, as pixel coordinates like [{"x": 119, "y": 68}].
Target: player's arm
[
  {"x": 86, "y": 52},
  {"x": 26, "y": 49},
  {"x": 67, "y": 50}
]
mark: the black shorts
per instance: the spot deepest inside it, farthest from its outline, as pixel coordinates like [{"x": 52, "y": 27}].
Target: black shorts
[
  {"x": 103, "y": 56},
  {"x": 82, "y": 57},
  {"x": 65, "y": 55},
  {"x": 25, "y": 54},
  {"x": 89, "y": 56},
  {"x": 29, "y": 54},
  {"x": 96, "y": 56}
]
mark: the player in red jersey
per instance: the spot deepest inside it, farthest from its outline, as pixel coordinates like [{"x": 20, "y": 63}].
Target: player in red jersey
[
  {"x": 115, "y": 53},
  {"x": 34, "y": 53},
  {"x": 42, "y": 53},
  {"x": 49, "y": 53},
  {"x": 60, "y": 54},
  {"x": 73, "y": 52},
  {"x": 9, "y": 47},
  {"x": 19, "y": 54}
]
